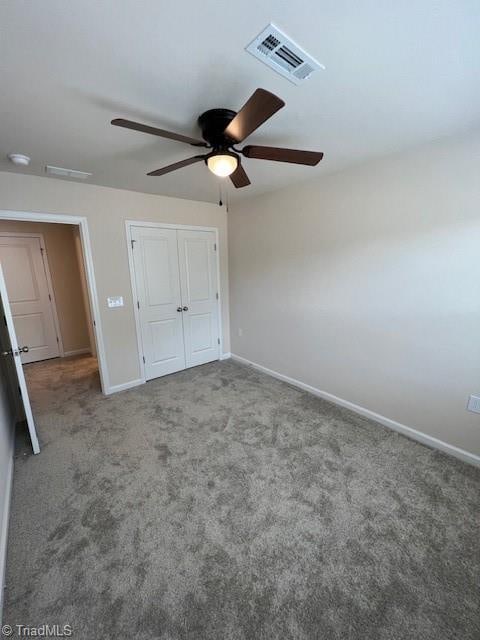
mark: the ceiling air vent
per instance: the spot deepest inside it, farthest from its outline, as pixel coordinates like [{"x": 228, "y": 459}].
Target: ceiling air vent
[
  {"x": 280, "y": 53},
  {"x": 66, "y": 173}
]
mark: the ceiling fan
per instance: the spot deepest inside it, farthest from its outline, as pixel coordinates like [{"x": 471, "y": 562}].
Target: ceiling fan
[{"x": 221, "y": 130}]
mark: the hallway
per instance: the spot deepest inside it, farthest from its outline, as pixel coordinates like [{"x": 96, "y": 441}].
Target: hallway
[{"x": 55, "y": 387}]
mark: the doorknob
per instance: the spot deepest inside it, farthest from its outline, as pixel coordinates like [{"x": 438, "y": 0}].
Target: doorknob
[
  {"x": 15, "y": 352},
  {"x": 179, "y": 309},
  {"x": 185, "y": 308}
]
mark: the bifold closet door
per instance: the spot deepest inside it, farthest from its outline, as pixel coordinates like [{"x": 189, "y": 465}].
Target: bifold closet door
[
  {"x": 157, "y": 277},
  {"x": 198, "y": 278}
]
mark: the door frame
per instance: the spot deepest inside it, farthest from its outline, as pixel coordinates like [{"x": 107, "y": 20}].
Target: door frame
[
  {"x": 46, "y": 266},
  {"x": 82, "y": 224},
  {"x": 181, "y": 227}
]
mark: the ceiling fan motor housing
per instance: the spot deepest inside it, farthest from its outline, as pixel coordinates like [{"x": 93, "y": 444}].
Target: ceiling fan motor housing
[{"x": 213, "y": 124}]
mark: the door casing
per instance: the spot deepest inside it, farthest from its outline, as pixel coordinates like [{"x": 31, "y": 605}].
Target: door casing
[
  {"x": 82, "y": 224},
  {"x": 162, "y": 225}
]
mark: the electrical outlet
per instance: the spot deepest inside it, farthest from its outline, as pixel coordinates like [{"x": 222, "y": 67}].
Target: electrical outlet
[
  {"x": 474, "y": 404},
  {"x": 240, "y": 333}
]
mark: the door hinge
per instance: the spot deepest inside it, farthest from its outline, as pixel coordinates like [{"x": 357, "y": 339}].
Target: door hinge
[
  {"x": 58, "y": 340},
  {"x": 214, "y": 246},
  {"x": 50, "y": 297},
  {"x": 143, "y": 359},
  {"x": 94, "y": 323},
  {"x": 42, "y": 250},
  {"x": 132, "y": 242},
  {"x": 218, "y": 340},
  {"x": 138, "y": 304},
  {"x": 216, "y": 295}
]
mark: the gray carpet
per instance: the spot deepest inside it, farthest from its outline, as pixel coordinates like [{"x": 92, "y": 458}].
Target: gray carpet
[{"x": 219, "y": 503}]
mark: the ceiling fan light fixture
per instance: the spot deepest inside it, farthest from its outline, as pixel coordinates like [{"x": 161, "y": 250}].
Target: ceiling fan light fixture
[
  {"x": 222, "y": 164},
  {"x": 222, "y": 129}
]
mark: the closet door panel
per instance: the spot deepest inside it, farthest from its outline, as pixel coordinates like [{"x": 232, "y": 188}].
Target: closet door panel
[
  {"x": 199, "y": 289},
  {"x": 155, "y": 253}
]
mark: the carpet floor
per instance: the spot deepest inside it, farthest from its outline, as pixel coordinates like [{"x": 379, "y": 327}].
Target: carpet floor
[{"x": 221, "y": 504}]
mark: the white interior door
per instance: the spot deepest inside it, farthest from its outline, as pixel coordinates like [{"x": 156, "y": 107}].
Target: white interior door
[
  {"x": 198, "y": 278},
  {"x": 11, "y": 350},
  {"x": 30, "y": 301},
  {"x": 155, "y": 256}
]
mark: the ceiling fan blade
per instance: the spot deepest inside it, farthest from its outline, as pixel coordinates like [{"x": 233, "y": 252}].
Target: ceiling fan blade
[
  {"x": 239, "y": 177},
  {"x": 154, "y": 131},
  {"x": 277, "y": 154},
  {"x": 259, "y": 107},
  {"x": 175, "y": 166}
]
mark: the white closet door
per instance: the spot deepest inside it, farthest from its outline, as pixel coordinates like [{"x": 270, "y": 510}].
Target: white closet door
[
  {"x": 155, "y": 257},
  {"x": 24, "y": 272},
  {"x": 198, "y": 277}
]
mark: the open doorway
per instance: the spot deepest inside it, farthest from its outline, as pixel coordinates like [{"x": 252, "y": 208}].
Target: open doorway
[
  {"x": 44, "y": 271},
  {"x": 51, "y": 297}
]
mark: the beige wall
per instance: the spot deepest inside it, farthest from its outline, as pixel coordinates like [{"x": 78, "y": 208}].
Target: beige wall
[
  {"x": 84, "y": 286},
  {"x": 6, "y": 453},
  {"x": 66, "y": 279},
  {"x": 366, "y": 285},
  {"x": 6, "y": 465},
  {"x": 106, "y": 210}
]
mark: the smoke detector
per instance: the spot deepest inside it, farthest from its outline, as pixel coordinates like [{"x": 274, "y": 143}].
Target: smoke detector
[
  {"x": 66, "y": 173},
  {"x": 19, "y": 159},
  {"x": 283, "y": 55}
]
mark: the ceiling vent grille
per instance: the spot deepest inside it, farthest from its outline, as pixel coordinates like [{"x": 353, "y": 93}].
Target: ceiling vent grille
[
  {"x": 66, "y": 173},
  {"x": 279, "y": 52}
]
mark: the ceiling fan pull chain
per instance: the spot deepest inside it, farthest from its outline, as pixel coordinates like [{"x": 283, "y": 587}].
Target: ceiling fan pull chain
[{"x": 220, "y": 203}]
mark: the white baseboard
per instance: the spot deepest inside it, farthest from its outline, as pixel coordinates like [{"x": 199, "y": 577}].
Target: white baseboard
[
  {"x": 4, "y": 533},
  {"x": 76, "y": 352},
  {"x": 225, "y": 356},
  {"x": 124, "y": 386},
  {"x": 430, "y": 441}
]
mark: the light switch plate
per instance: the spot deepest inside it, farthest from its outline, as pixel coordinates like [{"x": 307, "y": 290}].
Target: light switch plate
[{"x": 115, "y": 301}]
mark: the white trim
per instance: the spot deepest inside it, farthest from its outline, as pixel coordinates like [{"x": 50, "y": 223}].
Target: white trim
[
  {"x": 82, "y": 223},
  {"x": 136, "y": 312},
  {"x": 77, "y": 352},
  {"x": 125, "y": 385},
  {"x": 414, "y": 434},
  {"x": 225, "y": 356},
  {"x": 163, "y": 225},
  {"x": 48, "y": 276},
  {"x": 4, "y": 531},
  {"x": 51, "y": 291},
  {"x": 219, "y": 287}
]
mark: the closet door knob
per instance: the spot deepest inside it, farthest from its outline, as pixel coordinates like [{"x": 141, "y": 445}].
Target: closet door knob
[
  {"x": 185, "y": 308},
  {"x": 179, "y": 309}
]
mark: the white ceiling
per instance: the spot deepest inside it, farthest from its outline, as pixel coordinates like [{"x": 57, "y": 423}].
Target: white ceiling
[{"x": 398, "y": 74}]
